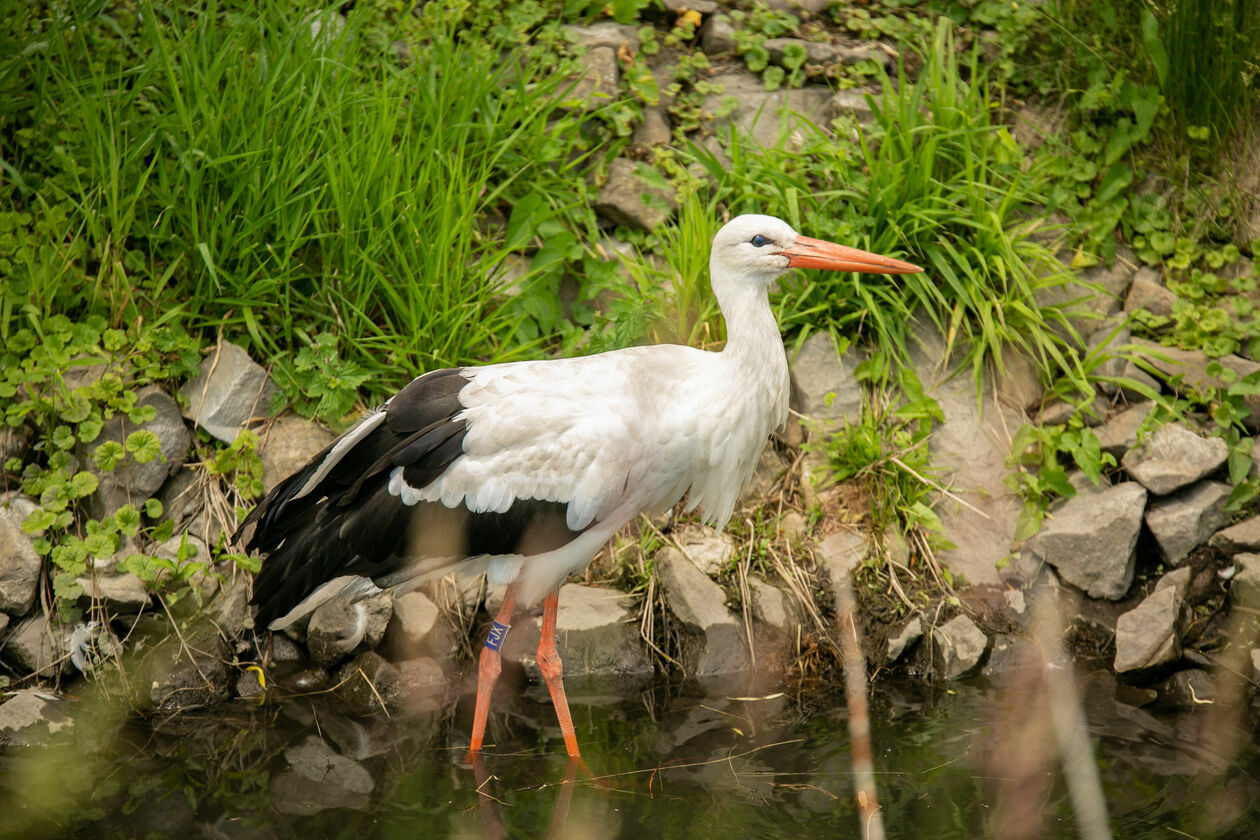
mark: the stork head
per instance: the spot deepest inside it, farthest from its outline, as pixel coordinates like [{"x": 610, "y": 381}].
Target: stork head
[{"x": 760, "y": 248}]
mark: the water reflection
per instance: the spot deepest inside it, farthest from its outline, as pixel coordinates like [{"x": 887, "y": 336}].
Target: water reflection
[{"x": 669, "y": 763}]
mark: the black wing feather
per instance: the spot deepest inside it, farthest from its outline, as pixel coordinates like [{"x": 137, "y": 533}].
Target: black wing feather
[{"x": 350, "y": 524}]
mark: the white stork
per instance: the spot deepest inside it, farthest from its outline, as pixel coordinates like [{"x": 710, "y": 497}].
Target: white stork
[{"x": 524, "y": 470}]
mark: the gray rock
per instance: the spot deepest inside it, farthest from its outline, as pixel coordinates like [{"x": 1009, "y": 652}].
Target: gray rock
[
  {"x": 1183, "y": 521},
  {"x": 1187, "y": 690},
  {"x": 38, "y": 647},
  {"x": 596, "y": 80},
  {"x": 1244, "y": 536},
  {"x": 1105, "y": 340},
  {"x": 1010, "y": 661},
  {"x": 1137, "y": 384},
  {"x": 1148, "y": 635},
  {"x": 1034, "y": 124},
  {"x": 188, "y": 677},
  {"x": 716, "y": 644},
  {"x": 853, "y": 103},
  {"x": 1090, "y": 294},
  {"x": 132, "y": 481},
  {"x": 249, "y": 685},
  {"x": 1118, "y": 434},
  {"x": 29, "y": 717},
  {"x": 1091, "y": 539},
  {"x": 628, "y": 199},
  {"x": 1190, "y": 366},
  {"x": 970, "y": 450},
  {"x": 319, "y": 778},
  {"x": 718, "y": 36},
  {"x": 1173, "y": 457},
  {"x": 820, "y": 377},
  {"x": 710, "y": 549},
  {"x": 338, "y": 630},
  {"x": 762, "y": 113},
  {"x": 319, "y": 762},
  {"x": 958, "y": 646},
  {"x": 417, "y": 685},
  {"x": 677, "y": 7},
  {"x": 14, "y": 443},
  {"x": 287, "y": 444},
  {"x": 910, "y": 633},
  {"x": 228, "y": 393},
  {"x": 1114, "y": 280},
  {"x": 772, "y": 607},
  {"x": 1244, "y": 588},
  {"x": 230, "y": 608},
  {"x": 654, "y": 130},
  {"x": 1146, "y": 292},
  {"x": 122, "y": 593},
  {"x": 423, "y": 685},
  {"x": 605, "y": 33},
  {"x": 598, "y": 633},
  {"x": 20, "y": 565},
  {"x": 1178, "y": 579},
  {"x": 418, "y": 628}
]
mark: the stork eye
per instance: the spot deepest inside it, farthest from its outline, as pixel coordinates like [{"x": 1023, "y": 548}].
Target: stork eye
[{"x": 759, "y": 241}]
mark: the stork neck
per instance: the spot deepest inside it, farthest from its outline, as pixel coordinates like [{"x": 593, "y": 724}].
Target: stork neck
[{"x": 751, "y": 332}]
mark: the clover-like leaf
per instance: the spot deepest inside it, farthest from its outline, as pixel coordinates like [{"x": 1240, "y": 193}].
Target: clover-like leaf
[
  {"x": 144, "y": 446},
  {"x": 38, "y": 521},
  {"x": 127, "y": 518},
  {"x": 109, "y": 455},
  {"x": 82, "y": 484}
]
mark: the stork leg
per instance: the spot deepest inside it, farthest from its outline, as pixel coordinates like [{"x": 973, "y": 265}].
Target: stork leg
[
  {"x": 489, "y": 667},
  {"x": 549, "y": 664}
]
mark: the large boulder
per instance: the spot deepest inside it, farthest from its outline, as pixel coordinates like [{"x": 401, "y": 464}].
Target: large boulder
[
  {"x": 132, "y": 481},
  {"x": 957, "y": 647},
  {"x": 1091, "y": 538},
  {"x": 970, "y": 450},
  {"x": 1148, "y": 636},
  {"x": 597, "y": 633},
  {"x": 1183, "y": 521},
  {"x": 39, "y": 647},
  {"x": 715, "y": 641},
  {"x": 29, "y": 717},
  {"x": 338, "y": 629},
  {"x": 287, "y": 444},
  {"x": 20, "y": 565},
  {"x": 1243, "y": 536},
  {"x": 823, "y": 386},
  {"x": 635, "y": 195},
  {"x": 230, "y": 391},
  {"x": 419, "y": 628},
  {"x": 1173, "y": 457}
]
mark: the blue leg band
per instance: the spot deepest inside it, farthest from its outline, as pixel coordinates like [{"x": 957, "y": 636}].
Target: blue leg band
[{"x": 498, "y": 632}]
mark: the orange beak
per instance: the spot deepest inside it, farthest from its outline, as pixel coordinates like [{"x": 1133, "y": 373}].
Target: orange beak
[{"x": 817, "y": 253}]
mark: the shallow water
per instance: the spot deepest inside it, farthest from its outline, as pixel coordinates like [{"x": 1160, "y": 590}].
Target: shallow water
[{"x": 956, "y": 763}]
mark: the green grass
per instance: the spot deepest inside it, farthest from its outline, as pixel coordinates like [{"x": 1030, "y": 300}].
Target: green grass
[{"x": 226, "y": 165}]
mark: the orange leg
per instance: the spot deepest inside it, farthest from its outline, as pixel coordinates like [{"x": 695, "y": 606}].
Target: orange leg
[
  {"x": 489, "y": 667},
  {"x": 549, "y": 664}
]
